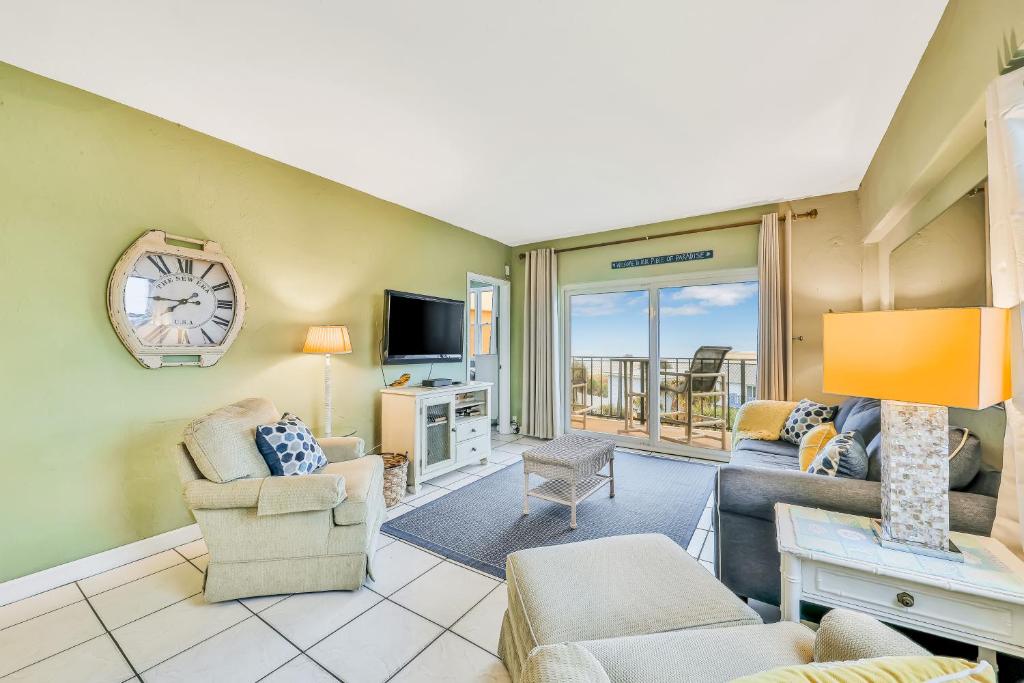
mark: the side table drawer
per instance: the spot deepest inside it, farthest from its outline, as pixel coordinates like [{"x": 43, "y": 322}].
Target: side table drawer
[
  {"x": 473, "y": 449},
  {"x": 472, "y": 429},
  {"x": 947, "y": 611}
]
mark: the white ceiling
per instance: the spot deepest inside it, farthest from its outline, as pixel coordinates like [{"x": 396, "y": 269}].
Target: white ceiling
[{"x": 519, "y": 120}]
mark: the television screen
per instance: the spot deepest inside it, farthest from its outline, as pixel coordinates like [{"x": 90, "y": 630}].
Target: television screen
[{"x": 422, "y": 329}]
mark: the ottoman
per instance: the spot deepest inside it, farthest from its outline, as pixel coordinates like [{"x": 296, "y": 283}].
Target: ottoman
[
  {"x": 572, "y": 465},
  {"x": 609, "y": 588}
]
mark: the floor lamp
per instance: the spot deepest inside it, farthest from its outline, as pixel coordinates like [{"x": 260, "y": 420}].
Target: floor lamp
[
  {"x": 328, "y": 340},
  {"x": 919, "y": 362}
]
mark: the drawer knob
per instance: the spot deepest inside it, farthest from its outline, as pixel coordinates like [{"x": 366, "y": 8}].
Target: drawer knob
[{"x": 905, "y": 599}]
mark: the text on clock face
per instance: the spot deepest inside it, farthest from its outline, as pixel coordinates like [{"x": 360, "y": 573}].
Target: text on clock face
[{"x": 177, "y": 301}]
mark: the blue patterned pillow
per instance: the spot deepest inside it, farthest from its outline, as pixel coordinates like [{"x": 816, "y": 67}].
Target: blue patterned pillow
[
  {"x": 843, "y": 456},
  {"x": 289, "y": 447}
]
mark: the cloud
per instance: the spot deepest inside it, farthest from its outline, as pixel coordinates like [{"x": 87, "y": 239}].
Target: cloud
[
  {"x": 596, "y": 305},
  {"x": 717, "y": 295},
  {"x": 686, "y": 309}
]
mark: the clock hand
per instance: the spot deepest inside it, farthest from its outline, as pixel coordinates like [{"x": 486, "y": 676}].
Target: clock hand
[{"x": 183, "y": 301}]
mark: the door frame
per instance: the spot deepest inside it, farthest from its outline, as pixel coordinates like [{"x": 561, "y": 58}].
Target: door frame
[
  {"x": 503, "y": 325},
  {"x": 651, "y": 285}
]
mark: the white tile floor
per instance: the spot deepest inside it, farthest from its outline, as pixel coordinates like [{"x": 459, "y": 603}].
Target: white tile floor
[{"x": 424, "y": 618}]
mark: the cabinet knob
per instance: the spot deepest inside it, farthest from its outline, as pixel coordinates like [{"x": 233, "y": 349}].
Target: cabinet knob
[{"x": 905, "y": 599}]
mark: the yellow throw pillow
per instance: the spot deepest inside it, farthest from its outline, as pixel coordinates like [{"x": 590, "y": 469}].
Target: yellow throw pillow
[
  {"x": 879, "y": 670},
  {"x": 813, "y": 441}
]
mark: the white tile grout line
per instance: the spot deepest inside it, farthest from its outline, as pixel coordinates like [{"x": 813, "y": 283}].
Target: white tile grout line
[{"x": 106, "y": 630}]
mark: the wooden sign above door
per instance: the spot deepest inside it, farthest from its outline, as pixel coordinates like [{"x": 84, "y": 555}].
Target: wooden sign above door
[{"x": 668, "y": 258}]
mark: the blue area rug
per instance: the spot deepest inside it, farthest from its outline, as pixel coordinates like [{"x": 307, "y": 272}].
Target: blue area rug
[{"x": 480, "y": 524}]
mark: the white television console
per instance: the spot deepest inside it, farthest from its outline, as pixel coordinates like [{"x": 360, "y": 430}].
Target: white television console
[{"x": 440, "y": 428}]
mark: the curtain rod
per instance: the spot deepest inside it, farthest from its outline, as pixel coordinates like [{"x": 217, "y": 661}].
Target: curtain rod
[{"x": 813, "y": 213}]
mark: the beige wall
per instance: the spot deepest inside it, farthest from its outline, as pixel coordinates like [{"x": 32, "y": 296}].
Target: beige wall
[
  {"x": 943, "y": 264},
  {"x": 827, "y": 263}
]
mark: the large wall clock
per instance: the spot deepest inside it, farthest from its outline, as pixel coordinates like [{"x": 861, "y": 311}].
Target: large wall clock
[{"x": 175, "y": 300}]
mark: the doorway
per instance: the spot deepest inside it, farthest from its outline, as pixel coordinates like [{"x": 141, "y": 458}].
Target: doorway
[
  {"x": 488, "y": 341},
  {"x": 662, "y": 364}
]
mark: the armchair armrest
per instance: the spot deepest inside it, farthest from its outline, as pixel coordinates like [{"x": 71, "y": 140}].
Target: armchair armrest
[
  {"x": 565, "y": 663},
  {"x": 762, "y": 420},
  {"x": 270, "y": 496},
  {"x": 342, "y": 448},
  {"x": 845, "y": 635}
]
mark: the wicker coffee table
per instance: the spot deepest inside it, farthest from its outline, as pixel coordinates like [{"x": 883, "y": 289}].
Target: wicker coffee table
[{"x": 571, "y": 464}]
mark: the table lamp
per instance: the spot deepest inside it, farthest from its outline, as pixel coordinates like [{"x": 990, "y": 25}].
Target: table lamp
[
  {"x": 918, "y": 362},
  {"x": 328, "y": 340}
]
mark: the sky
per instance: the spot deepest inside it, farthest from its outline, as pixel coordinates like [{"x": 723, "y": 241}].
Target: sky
[{"x": 616, "y": 324}]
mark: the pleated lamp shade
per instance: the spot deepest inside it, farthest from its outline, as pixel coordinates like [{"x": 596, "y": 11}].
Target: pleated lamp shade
[{"x": 327, "y": 339}]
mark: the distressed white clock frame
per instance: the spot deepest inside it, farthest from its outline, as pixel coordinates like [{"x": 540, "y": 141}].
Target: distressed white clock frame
[
  {"x": 991, "y": 619},
  {"x": 153, "y": 356}
]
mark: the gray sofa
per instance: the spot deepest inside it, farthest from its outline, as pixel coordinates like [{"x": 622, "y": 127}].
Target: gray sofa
[{"x": 763, "y": 472}]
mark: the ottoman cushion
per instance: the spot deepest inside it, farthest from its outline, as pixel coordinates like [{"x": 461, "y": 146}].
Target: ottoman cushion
[
  {"x": 611, "y": 587},
  {"x": 571, "y": 454}
]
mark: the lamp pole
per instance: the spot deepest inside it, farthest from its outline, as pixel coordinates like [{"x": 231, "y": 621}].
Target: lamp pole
[{"x": 327, "y": 395}]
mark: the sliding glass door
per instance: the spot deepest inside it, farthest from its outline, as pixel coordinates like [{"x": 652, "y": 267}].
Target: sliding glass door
[{"x": 663, "y": 366}]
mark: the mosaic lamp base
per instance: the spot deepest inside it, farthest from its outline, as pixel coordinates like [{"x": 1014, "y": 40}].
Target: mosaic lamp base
[{"x": 915, "y": 480}]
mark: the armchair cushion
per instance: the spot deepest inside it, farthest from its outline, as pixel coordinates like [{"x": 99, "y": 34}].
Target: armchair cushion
[
  {"x": 762, "y": 420},
  {"x": 288, "y": 447},
  {"x": 363, "y": 476},
  {"x": 845, "y": 634},
  {"x": 563, "y": 662},
  {"x": 223, "y": 443},
  {"x": 282, "y": 495}
]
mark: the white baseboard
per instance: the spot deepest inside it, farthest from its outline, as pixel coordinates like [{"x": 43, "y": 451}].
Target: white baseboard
[{"x": 27, "y": 586}]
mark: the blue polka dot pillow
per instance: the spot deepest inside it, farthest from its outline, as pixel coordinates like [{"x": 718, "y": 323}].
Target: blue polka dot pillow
[
  {"x": 805, "y": 416},
  {"x": 843, "y": 456},
  {"x": 289, "y": 447}
]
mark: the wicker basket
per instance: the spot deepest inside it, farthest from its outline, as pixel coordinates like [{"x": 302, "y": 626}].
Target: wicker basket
[{"x": 396, "y": 471}]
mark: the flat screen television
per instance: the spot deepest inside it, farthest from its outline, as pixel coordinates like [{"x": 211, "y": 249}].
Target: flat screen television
[{"x": 422, "y": 329}]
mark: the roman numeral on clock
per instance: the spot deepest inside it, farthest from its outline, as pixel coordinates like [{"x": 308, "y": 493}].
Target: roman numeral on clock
[
  {"x": 158, "y": 261},
  {"x": 223, "y": 285},
  {"x": 226, "y": 304},
  {"x": 207, "y": 271},
  {"x": 223, "y": 322},
  {"x": 185, "y": 266},
  {"x": 206, "y": 336},
  {"x": 183, "y": 337}
]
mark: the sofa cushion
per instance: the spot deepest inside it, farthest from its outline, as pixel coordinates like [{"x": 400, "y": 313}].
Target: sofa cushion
[
  {"x": 805, "y": 416},
  {"x": 774, "y": 454},
  {"x": 964, "y": 458},
  {"x": 223, "y": 443},
  {"x": 843, "y": 456},
  {"x": 363, "y": 476},
  {"x": 861, "y": 415},
  {"x": 708, "y": 655},
  {"x": 813, "y": 443},
  {"x": 615, "y": 586},
  {"x": 289, "y": 447}
]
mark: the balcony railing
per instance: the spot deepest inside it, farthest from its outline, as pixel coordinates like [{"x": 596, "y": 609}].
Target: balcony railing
[{"x": 605, "y": 383}]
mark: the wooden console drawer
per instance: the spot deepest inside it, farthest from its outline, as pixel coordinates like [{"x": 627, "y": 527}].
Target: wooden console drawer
[
  {"x": 472, "y": 429},
  {"x": 473, "y": 449}
]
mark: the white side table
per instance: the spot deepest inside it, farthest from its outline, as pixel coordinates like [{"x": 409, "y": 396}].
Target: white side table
[{"x": 832, "y": 559}]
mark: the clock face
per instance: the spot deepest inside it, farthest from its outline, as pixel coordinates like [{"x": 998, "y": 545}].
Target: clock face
[{"x": 173, "y": 300}]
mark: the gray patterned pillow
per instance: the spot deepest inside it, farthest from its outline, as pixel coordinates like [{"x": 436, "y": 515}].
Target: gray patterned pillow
[
  {"x": 843, "y": 456},
  {"x": 805, "y": 416}
]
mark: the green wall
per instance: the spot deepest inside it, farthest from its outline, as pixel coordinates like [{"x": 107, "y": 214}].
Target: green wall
[
  {"x": 735, "y": 248},
  {"x": 86, "y": 460},
  {"x": 940, "y": 119}
]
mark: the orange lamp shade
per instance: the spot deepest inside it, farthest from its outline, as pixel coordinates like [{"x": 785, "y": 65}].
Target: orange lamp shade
[
  {"x": 327, "y": 339},
  {"x": 958, "y": 357}
]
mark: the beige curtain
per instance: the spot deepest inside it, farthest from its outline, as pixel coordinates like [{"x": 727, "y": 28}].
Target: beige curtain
[
  {"x": 773, "y": 339},
  {"x": 1005, "y": 194},
  {"x": 541, "y": 398}
]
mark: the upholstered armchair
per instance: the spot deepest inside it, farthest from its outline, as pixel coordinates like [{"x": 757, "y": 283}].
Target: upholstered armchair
[{"x": 270, "y": 535}]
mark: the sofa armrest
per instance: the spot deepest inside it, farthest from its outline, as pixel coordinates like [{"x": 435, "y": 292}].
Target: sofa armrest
[
  {"x": 342, "y": 448},
  {"x": 846, "y": 635},
  {"x": 565, "y": 663},
  {"x": 762, "y": 420},
  {"x": 754, "y": 491}
]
